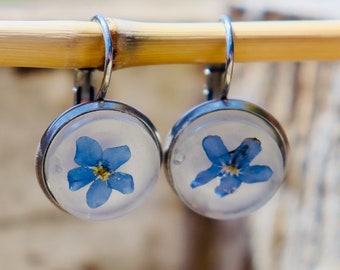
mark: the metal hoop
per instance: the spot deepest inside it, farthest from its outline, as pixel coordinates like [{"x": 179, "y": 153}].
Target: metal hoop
[
  {"x": 229, "y": 65},
  {"x": 109, "y": 55}
]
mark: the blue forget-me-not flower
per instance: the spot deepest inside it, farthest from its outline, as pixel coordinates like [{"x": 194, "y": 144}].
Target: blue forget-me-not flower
[
  {"x": 99, "y": 168},
  {"x": 232, "y": 168}
]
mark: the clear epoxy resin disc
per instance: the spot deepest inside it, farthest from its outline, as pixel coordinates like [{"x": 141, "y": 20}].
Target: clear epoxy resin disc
[
  {"x": 226, "y": 158},
  {"x": 98, "y": 160}
]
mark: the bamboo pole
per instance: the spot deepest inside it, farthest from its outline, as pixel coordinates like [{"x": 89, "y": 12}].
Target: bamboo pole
[{"x": 79, "y": 44}]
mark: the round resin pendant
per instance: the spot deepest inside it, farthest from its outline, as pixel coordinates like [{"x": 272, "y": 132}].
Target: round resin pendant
[
  {"x": 99, "y": 160},
  {"x": 226, "y": 158}
]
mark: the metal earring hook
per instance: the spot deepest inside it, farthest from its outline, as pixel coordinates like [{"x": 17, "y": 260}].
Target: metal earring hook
[
  {"x": 109, "y": 55},
  {"x": 229, "y": 65},
  {"x": 218, "y": 76},
  {"x": 84, "y": 91}
]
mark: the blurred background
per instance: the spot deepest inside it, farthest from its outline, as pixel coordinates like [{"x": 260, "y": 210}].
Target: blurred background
[{"x": 297, "y": 229}]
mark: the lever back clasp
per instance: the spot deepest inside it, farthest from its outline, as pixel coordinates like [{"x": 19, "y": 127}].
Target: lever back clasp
[
  {"x": 218, "y": 76},
  {"x": 84, "y": 91},
  {"x": 214, "y": 81}
]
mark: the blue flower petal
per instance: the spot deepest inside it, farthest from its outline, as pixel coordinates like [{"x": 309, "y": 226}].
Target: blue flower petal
[
  {"x": 215, "y": 149},
  {"x": 246, "y": 152},
  {"x": 206, "y": 176},
  {"x": 88, "y": 152},
  {"x": 98, "y": 194},
  {"x": 254, "y": 174},
  {"x": 228, "y": 185},
  {"x": 114, "y": 157},
  {"x": 80, "y": 177},
  {"x": 121, "y": 182}
]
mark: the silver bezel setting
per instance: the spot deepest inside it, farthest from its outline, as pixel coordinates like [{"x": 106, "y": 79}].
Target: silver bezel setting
[
  {"x": 213, "y": 106},
  {"x": 72, "y": 114}
]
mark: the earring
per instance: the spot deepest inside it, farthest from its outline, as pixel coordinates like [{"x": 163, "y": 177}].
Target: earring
[
  {"x": 225, "y": 158},
  {"x": 100, "y": 158}
]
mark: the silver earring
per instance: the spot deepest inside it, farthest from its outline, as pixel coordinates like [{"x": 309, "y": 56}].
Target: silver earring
[
  {"x": 225, "y": 158},
  {"x": 100, "y": 158}
]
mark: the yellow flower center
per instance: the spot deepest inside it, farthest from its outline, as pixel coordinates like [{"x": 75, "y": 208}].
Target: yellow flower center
[
  {"x": 101, "y": 172},
  {"x": 232, "y": 170}
]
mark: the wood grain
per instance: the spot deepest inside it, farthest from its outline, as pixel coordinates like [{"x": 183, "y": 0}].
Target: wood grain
[{"x": 79, "y": 44}]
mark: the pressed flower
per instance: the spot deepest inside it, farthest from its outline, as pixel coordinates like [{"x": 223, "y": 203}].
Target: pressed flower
[
  {"x": 99, "y": 168},
  {"x": 231, "y": 168}
]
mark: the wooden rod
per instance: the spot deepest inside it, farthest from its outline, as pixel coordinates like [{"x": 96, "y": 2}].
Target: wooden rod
[{"x": 79, "y": 44}]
